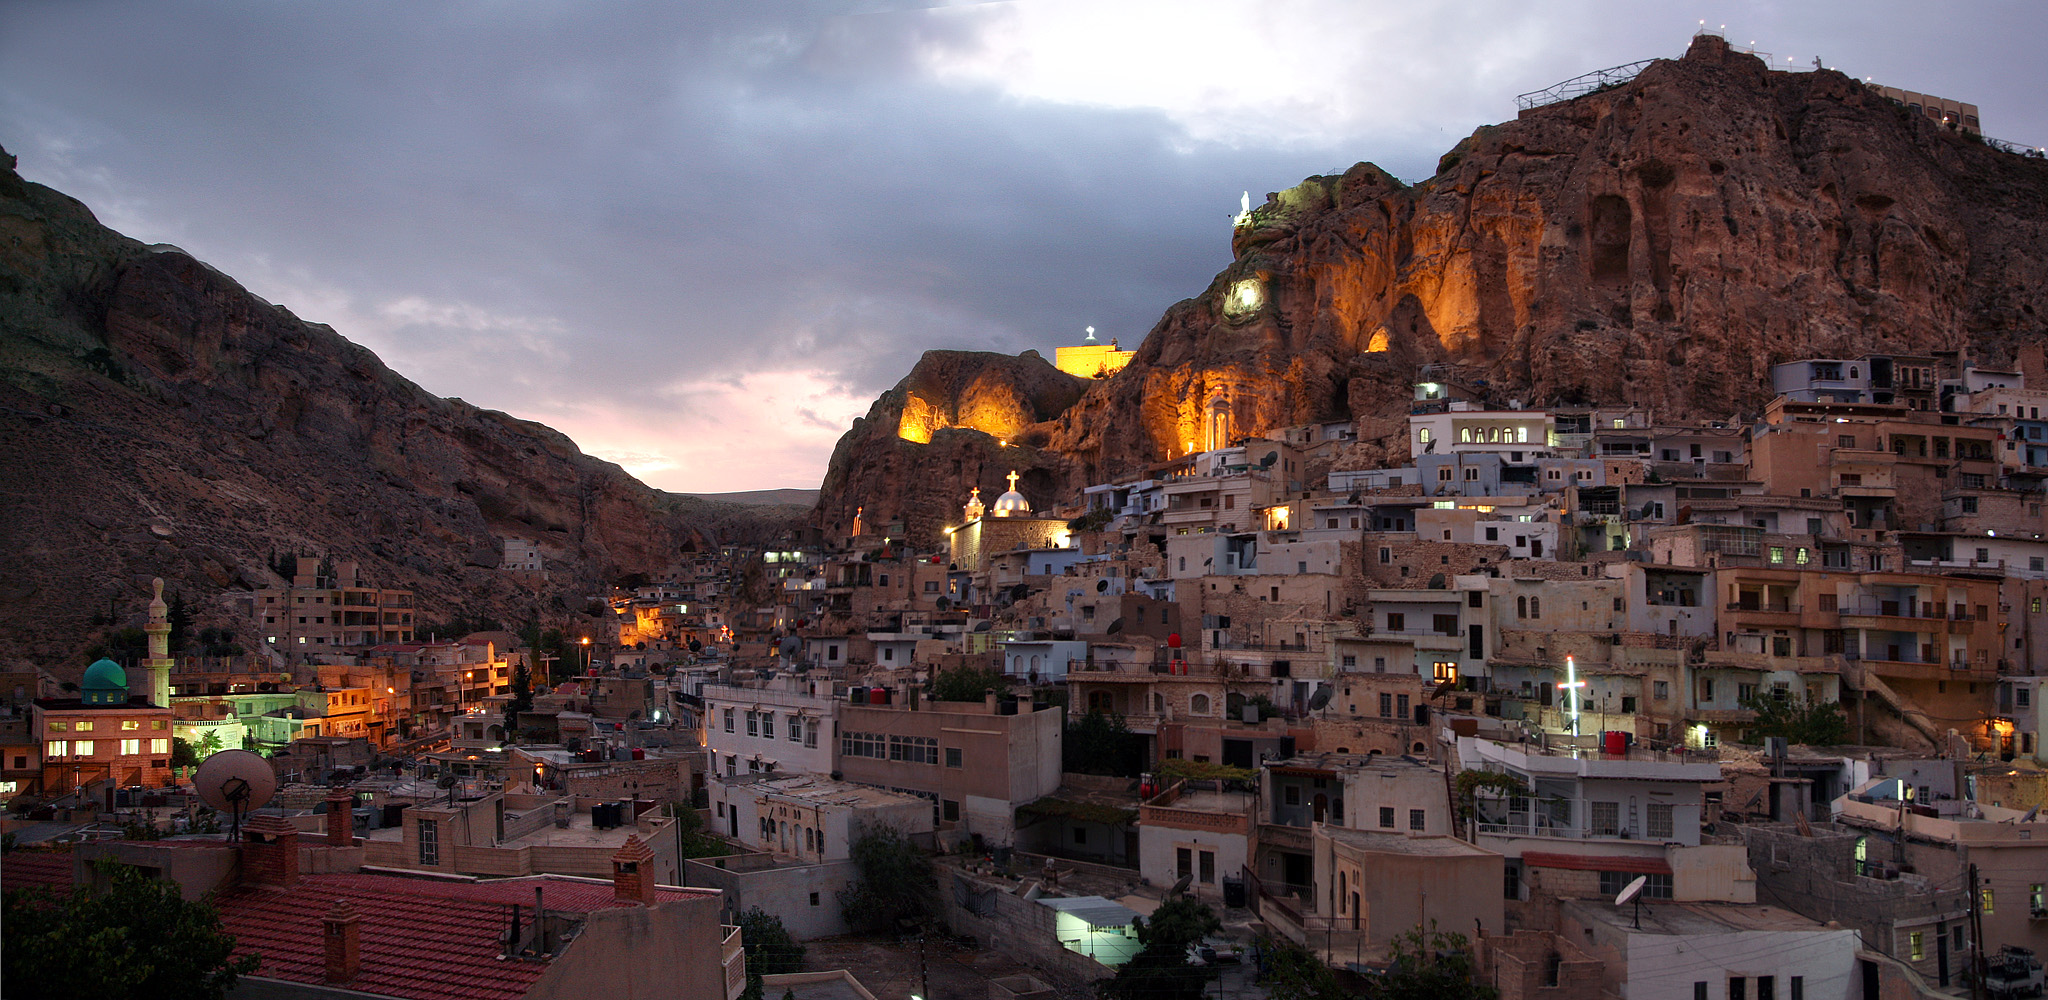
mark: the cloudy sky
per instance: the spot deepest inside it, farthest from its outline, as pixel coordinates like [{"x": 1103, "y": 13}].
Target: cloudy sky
[{"x": 701, "y": 237}]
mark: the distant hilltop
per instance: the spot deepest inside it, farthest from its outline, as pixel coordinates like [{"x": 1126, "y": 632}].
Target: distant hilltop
[{"x": 763, "y": 498}]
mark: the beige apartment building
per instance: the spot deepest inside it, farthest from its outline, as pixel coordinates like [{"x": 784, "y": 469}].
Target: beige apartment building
[
  {"x": 328, "y": 606},
  {"x": 975, "y": 762}
]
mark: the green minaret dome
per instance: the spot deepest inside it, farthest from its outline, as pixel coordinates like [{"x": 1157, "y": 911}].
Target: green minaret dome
[{"x": 105, "y": 684}]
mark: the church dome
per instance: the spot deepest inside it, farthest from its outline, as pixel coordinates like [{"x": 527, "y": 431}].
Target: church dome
[
  {"x": 1011, "y": 504},
  {"x": 105, "y": 683}
]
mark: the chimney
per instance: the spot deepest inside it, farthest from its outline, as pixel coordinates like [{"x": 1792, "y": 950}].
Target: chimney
[
  {"x": 270, "y": 851},
  {"x": 993, "y": 702},
  {"x": 342, "y": 929},
  {"x": 633, "y": 872},
  {"x": 341, "y": 818}
]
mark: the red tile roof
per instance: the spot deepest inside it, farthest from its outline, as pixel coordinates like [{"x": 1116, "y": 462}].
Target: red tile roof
[
  {"x": 421, "y": 938},
  {"x": 22, "y": 869},
  {"x": 1593, "y": 863}
]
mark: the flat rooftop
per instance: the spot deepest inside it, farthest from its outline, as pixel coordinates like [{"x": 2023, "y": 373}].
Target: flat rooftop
[
  {"x": 814, "y": 790},
  {"x": 1691, "y": 918},
  {"x": 1395, "y": 843}
]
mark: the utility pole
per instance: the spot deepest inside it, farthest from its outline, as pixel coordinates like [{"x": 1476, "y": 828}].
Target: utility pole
[
  {"x": 924, "y": 972},
  {"x": 1976, "y": 938}
]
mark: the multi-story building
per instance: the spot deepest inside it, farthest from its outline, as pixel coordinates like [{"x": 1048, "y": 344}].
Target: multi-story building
[
  {"x": 975, "y": 762},
  {"x": 327, "y": 606}
]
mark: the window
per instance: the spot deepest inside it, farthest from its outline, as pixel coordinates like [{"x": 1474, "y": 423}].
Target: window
[
  {"x": 1777, "y": 555},
  {"x": 1397, "y": 621},
  {"x": 131, "y": 748},
  {"x": 950, "y": 810},
  {"x": 1917, "y": 945},
  {"x": 1699, "y": 990},
  {"x": 796, "y": 729},
  {"x": 84, "y": 748},
  {"x": 1662, "y": 689},
  {"x": 159, "y": 746},
  {"x": 1291, "y": 795},
  {"x": 1798, "y": 988},
  {"x": 1386, "y": 705},
  {"x": 914, "y": 749},
  {"x": 1386, "y": 817},
  {"x": 1766, "y": 988},
  {"x": 430, "y": 842},
  {"x": 767, "y": 725},
  {"x": 1416, "y": 820},
  {"x": 753, "y": 723},
  {"x": 1659, "y": 821},
  {"x": 1401, "y": 706},
  {"x": 1606, "y": 819},
  {"x": 1535, "y": 607},
  {"x": 1207, "y": 872},
  {"x": 57, "y": 748},
  {"x": 1184, "y": 862},
  {"x": 953, "y": 757},
  {"x": 1985, "y": 908},
  {"x": 1199, "y": 704},
  {"x": 871, "y": 745}
]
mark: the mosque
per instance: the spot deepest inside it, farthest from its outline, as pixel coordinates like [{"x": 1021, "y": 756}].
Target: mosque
[{"x": 107, "y": 735}]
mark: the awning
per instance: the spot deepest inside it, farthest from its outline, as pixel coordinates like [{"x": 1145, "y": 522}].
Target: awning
[
  {"x": 1632, "y": 864},
  {"x": 1096, "y": 910}
]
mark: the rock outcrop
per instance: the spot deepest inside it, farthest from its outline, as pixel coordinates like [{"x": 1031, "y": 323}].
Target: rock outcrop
[
  {"x": 1660, "y": 243},
  {"x": 959, "y": 419},
  {"x": 158, "y": 420}
]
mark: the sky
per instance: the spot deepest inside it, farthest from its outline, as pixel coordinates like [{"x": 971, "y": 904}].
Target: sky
[{"x": 700, "y": 238}]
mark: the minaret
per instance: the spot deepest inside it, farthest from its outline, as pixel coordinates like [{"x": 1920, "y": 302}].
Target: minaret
[{"x": 158, "y": 666}]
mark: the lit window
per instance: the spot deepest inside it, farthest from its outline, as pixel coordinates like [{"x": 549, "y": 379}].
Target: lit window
[
  {"x": 57, "y": 748},
  {"x": 131, "y": 748},
  {"x": 84, "y": 748},
  {"x": 159, "y": 746}
]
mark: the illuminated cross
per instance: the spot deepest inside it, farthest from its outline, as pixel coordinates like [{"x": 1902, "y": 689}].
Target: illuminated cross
[
  {"x": 1013, "y": 480},
  {"x": 1571, "y": 686}
]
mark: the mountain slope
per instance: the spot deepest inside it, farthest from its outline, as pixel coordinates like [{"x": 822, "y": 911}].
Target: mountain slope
[{"x": 158, "y": 420}]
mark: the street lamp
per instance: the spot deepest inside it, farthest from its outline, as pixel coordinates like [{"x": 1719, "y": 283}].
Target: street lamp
[{"x": 586, "y": 654}]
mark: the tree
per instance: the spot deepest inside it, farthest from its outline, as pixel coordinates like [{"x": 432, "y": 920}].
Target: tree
[
  {"x": 692, "y": 839},
  {"x": 133, "y": 936},
  {"x": 770, "y": 949},
  {"x": 1295, "y": 973},
  {"x": 1160, "y": 970},
  {"x": 1811, "y": 723},
  {"x": 1098, "y": 743},
  {"x": 968, "y": 683},
  {"x": 522, "y": 696},
  {"x": 180, "y": 617},
  {"x": 183, "y": 754},
  {"x": 1430, "y": 965},
  {"x": 894, "y": 882}
]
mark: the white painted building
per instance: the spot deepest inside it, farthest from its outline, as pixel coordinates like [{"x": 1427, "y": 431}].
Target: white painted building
[
  {"x": 783, "y": 726},
  {"x": 810, "y": 817},
  {"x": 1721, "y": 952}
]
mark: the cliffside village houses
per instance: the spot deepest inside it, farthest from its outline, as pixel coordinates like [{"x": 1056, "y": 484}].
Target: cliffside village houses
[{"x": 1489, "y": 688}]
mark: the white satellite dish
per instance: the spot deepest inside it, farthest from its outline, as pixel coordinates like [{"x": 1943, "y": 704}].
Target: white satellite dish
[
  {"x": 235, "y": 782},
  {"x": 1633, "y": 893}
]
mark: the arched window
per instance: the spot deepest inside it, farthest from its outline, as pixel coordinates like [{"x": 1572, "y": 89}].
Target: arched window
[
  {"x": 1199, "y": 704},
  {"x": 1522, "y": 607},
  {"x": 1420, "y": 747}
]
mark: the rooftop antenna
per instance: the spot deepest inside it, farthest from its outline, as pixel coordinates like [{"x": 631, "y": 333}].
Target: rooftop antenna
[
  {"x": 1633, "y": 893},
  {"x": 235, "y": 782}
]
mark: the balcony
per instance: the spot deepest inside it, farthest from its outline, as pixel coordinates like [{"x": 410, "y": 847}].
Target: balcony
[{"x": 734, "y": 959}]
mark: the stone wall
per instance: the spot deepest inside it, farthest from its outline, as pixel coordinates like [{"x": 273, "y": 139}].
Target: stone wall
[{"x": 1001, "y": 921}]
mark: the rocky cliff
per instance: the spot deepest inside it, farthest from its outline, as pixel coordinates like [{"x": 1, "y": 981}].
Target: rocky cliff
[
  {"x": 1659, "y": 243},
  {"x": 158, "y": 420}
]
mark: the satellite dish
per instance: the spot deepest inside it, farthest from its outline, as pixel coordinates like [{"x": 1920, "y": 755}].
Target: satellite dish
[
  {"x": 235, "y": 782},
  {"x": 1319, "y": 700},
  {"x": 1267, "y": 462},
  {"x": 1181, "y": 887},
  {"x": 1632, "y": 890},
  {"x": 1101, "y": 585}
]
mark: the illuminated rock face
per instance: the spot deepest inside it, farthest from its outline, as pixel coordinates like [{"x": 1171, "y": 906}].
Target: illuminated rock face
[{"x": 1659, "y": 244}]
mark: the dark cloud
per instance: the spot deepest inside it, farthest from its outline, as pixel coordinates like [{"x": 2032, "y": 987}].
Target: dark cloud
[{"x": 680, "y": 231}]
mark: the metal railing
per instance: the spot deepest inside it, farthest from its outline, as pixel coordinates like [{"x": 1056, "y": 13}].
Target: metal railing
[{"x": 1581, "y": 85}]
